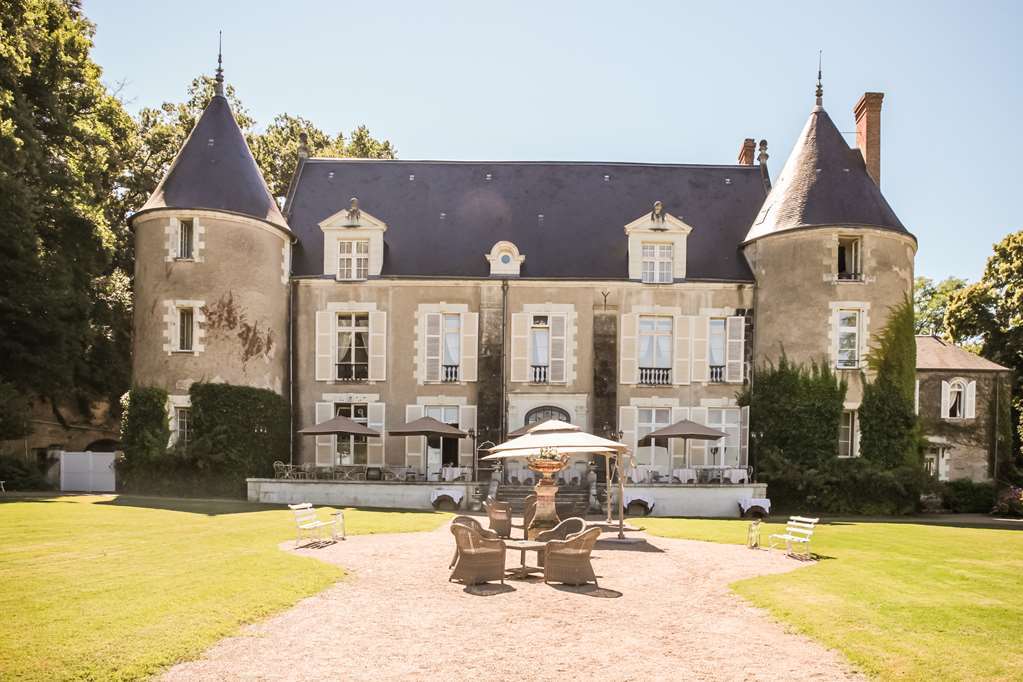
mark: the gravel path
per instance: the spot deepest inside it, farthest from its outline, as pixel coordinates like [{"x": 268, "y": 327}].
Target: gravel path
[{"x": 663, "y": 611}]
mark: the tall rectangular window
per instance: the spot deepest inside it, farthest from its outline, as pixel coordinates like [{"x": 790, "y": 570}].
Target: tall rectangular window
[
  {"x": 847, "y": 434},
  {"x": 540, "y": 348},
  {"x": 848, "y": 339},
  {"x": 724, "y": 452},
  {"x": 717, "y": 349},
  {"x": 351, "y": 449},
  {"x": 186, "y": 331},
  {"x": 451, "y": 351},
  {"x": 186, "y": 239},
  {"x": 183, "y": 423},
  {"x": 658, "y": 263},
  {"x": 442, "y": 452},
  {"x": 352, "y": 346},
  {"x": 649, "y": 419},
  {"x": 353, "y": 259},
  {"x": 655, "y": 349},
  {"x": 849, "y": 258}
]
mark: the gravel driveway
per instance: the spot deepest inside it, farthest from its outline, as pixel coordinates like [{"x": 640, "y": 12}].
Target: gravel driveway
[{"x": 663, "y": 611}]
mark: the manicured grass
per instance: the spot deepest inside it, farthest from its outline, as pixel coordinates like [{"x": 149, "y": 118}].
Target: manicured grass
[
  {"x": 901, "y": 600},
  {"x": 108, "y": 587}
]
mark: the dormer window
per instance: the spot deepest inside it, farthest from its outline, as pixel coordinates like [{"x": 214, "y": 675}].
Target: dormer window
[
  {"x": 850, "y": 254},
  {"x": 505, "y": 260},
  {"x": 353, "y": 259},
  {"x": 658, "y": 263}
]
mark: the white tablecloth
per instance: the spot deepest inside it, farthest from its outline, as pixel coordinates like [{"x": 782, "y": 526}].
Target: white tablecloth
[
  {"x": 641, "y": 473},
  {"x": 755, "y": 502},
  {"x": 455, "y": 494},
  {"x": 639, "y": 497},
  {"x": 451, "y": 473},
  {"x": 736, "y": 475}
]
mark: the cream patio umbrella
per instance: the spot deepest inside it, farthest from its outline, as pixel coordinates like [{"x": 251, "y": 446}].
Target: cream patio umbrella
[{"x": 562, "y": 438}]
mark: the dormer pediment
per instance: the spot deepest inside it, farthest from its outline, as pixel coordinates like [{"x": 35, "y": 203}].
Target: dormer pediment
[
  {"x": 356, "y": 239},
  {"x": 353, "y": 217},
  {"x": 664, "y": 223}
]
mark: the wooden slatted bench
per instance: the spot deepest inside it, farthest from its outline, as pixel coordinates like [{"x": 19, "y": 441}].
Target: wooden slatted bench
[
  {"x": 312, "y": 526},
  {"x": 798, "y": 532}
]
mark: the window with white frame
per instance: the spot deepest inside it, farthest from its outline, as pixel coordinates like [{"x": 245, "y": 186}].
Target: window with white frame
[
  {"x": 849, "y": 264},
  {"x": 717, "y": 349},
  {"x": 957, "y": 399},
  {"x": 658, "y": 263},
  {"x": 352, "y": 449},
  {"x": 540, "y": 349},
  {"x": 186, "y": 239},
  {"x": 451, "y": 346},
  {"x": 847, "y": 435},
  {"x": 186, "y": 329},
  {"x": 442, "y": 452},
  {"x": 848, "y": 339},
  {"x": 725, "y": 452},
  {"x": 182, "y": 425},
  {"x": 655, "y": 349},
  {"x": 649, "y": 419},
  {"x": 352, "y": 361},
  {"x": 353, "y": 259}
]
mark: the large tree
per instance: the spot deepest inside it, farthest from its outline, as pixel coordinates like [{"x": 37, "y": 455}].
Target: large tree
[
  {"x": 930, "y": 300},
  {"x": 63, "y": 140}
]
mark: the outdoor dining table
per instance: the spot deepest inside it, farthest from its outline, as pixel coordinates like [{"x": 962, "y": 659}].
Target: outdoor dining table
[{"x": 523, "y": 571}]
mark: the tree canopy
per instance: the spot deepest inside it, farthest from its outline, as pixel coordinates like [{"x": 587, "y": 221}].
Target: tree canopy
[{"x": 930, "y": 300}]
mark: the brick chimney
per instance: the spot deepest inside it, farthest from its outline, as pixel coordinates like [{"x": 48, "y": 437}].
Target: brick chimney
[
  {"x": 749, "y": 145},
  {"x": 868, "y": 132}
]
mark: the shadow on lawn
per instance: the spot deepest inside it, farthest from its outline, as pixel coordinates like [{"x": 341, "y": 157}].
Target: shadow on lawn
[
  {"x": 213, "y": 507},
  {"x": 944, "y": 520},
  {"x": 642, "y": 546}
]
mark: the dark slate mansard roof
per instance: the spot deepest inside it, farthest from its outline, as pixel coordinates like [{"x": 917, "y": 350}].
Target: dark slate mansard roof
[
  {"x": 215, "y": 170},
  {"x": 581, "y": 235},
  {"x": 824, "y": 183}
]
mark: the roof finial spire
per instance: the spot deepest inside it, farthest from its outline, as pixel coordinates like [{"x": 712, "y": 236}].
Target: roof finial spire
[
  {"x": 218, "y": 85},
  {"x": 820, "y": 88}
]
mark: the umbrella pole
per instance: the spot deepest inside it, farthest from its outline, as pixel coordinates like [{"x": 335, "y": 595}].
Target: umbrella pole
[
  {"x": 621, "y": 498},
  {"x": 607, "y": 480}
]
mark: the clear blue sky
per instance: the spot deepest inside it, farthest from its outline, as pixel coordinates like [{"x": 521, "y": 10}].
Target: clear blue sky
[{"x": 624, "y": 81}]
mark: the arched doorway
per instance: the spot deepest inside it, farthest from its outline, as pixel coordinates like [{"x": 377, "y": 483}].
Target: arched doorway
[{"x": 545, "y": 413}]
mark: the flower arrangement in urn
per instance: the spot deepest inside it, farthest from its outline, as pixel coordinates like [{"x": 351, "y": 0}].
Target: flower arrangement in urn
[{"x": 547, "y": 463}]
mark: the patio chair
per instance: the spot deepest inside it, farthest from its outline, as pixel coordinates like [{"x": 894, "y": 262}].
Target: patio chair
[
  {"x": 476, "y": 526},
  {"x": 528, "y": 512},
  {"x": 479, "y": 559},
  {"x": 562, "y": 531},
  {"x": 499, "y": 514},
  {"x": 568, "y": 561}
]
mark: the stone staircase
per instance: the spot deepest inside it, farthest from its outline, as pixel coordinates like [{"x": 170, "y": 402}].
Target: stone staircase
[{"x": 571, "y": 501}]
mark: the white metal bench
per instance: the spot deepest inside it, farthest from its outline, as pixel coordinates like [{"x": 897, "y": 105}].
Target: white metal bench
[
  {"x": 798, "y": 532},
  {"x": 313, "y": 527}
]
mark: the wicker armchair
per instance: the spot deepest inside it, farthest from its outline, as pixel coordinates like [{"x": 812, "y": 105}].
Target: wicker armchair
[
  {"x": 528, "y": 512},
  {"x": 568, "y": 561},
  {"x": 478, "y": 558},
  {"x": 476, "y": 526},
  {"x": 560, "y": 532},
  {"x": 499, "y": 514}
]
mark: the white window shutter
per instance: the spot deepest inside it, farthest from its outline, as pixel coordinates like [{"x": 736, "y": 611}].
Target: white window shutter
[
  {"x": 627, "y": 418},
  {"x": 325, "y": 340},
  {"x": 916, "y": 398},
  {"x": 520, "y": 347},
  {"x": 415, "y": 446},
  {"x": 466, "y": 421},
  {"x": 744, "y": 436},
  {"x": 678, "y": 445},
  {"x": 173, "y": 330},
  {"x": 559, "y": 345},
  {"x": 735, "y": 335},
  {"x": 680, "y": 372},
  {"x": 326, "y": 446},
  {"x": 946, "y": 389},
  {"x": 375, "y": 418},
  {"x": 834, "y": 338},
  {"x": 431, "y": 327},
  {"x": 971, "y": 400},
  {"x": 468, "y": 371},
  {"x": 628, "y": 353},
  {"x": 698, "y": 448},
  {"x": 701, "y": 343},
  {"x": 377, "y": 346}
]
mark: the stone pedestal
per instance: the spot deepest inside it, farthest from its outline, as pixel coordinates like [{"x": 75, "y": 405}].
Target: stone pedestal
[{"x": 546, "y": 516}]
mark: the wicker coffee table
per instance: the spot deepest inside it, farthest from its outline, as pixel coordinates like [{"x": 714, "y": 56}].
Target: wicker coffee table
[{"x": 523, "y": 571}]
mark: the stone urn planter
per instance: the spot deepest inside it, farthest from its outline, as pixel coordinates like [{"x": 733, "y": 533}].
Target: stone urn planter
[{"x": 547, "y": 463}]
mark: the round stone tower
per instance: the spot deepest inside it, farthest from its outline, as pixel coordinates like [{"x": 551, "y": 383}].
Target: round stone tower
[
  {"x": 212, "y": 264},
  {"x": 829, "y": 255}
]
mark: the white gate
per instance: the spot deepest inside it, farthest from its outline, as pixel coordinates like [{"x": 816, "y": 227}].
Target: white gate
[{"x": 87, "y": 471}]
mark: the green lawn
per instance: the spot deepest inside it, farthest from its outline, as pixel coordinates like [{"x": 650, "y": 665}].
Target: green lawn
[
  {"x": 901, "y": 600},
  {"x": 113, "y": 587}
]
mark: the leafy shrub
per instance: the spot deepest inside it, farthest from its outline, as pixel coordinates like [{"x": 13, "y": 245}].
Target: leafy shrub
[
  {"x": 966, "y": 496},
  {"x": 18, "y": 474},
  {"x": 145, "y": 429},
  {"x": 1010, "y": 501}
]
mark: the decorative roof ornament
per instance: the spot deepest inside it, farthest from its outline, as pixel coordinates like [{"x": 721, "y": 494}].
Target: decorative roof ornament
[
  {"x": 303, "y": 146},
  {"x": 354, "y": 213},
  {"x": 820, "y": 88},
  {"x": 763, "y": 156},
  {"x": 218, "y": 80},
  {"x": 657, "y": 215}
]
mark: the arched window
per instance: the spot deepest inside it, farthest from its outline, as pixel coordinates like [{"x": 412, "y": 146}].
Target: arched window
[
  {"x": 957, "y": 399},
  {"x": 544, "y": 413}
]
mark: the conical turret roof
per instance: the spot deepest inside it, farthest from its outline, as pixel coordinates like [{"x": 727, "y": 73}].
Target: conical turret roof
[
  {"x": 215, "y": 170},
  {"x": 823, "y": 183}
]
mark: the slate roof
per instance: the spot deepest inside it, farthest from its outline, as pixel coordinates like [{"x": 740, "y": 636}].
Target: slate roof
[
  {"x": 444, "y": 221},
  {"x": 215, "y": 170},
  {"x": 932, "y": 353},
  {"x": 823, "y": 182}
]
